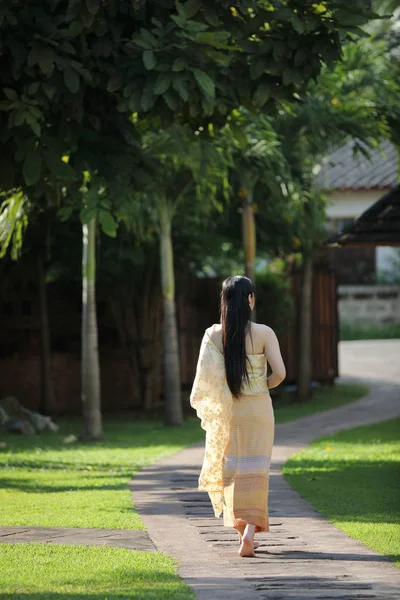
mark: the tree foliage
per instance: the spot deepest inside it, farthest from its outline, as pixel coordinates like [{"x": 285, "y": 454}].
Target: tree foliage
[{"x": 72, "y": 72}]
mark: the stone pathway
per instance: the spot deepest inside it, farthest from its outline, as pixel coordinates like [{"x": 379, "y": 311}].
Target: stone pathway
[
  {"x": 118, "y": 538},
  {"x": 304, "y": 557}
]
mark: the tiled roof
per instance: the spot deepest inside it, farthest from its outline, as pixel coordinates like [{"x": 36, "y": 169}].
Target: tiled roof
[{"x": 341, "y": 170}]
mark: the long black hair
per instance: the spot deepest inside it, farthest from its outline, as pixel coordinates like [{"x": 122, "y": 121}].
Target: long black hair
[{"x": 235, "y": 321}]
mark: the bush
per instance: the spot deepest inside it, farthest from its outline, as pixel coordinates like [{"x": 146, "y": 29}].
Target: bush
[{"x": 275, "y": 305}]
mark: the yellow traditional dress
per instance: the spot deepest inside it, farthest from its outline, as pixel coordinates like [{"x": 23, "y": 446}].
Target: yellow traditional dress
[{"x": 239, "y": 437}]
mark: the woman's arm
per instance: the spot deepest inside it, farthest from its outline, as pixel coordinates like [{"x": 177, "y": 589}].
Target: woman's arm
[{"x": 274, "y": 358}]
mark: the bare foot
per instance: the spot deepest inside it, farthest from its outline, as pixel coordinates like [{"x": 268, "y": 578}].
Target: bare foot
[
  {"x": 247, "y": 545},
  {"x": 256, "y": 544}
]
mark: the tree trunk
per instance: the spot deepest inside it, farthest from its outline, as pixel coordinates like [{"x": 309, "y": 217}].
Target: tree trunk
[
  {"x": 249, "y": 236},
  {"x": 92, "y": 422},
  {"x": 304, "y": 361},
  {"x": 47, "y": 399},
  {"x": 172, "y": 371}
]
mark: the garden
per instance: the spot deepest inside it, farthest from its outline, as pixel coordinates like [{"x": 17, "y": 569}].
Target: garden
[{"x": 149, "y": 150}]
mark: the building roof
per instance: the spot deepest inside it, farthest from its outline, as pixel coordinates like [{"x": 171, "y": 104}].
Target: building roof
[
  {"x": 379, "y": 225},
  {"x": 341, "y": 170}
]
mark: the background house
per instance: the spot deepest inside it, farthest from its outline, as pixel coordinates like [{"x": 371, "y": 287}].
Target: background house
[
  {"x": 378, "y": 226},
  {"x": 353, "y": 184}
]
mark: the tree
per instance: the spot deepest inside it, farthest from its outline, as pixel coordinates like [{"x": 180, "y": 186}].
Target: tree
[
  {"x": 187, "y": 168},
  {"x": 343, "y": 104},
  {"x": 73, "y": 73},
  {"x": 90, "y": 359},
  {"x": 68, "y": 70},
  {"x": 258, "y": 168}
]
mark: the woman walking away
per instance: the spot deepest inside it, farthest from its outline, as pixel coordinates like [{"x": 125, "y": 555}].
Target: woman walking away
[{"x": 230, "y": 395}]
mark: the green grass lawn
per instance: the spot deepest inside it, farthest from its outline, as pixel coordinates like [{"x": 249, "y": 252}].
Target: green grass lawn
[
  {"x": 323, "y": 399},
  {"x": 45, "y": 482},
  {"x": 353, "y": 478},
  {"x": 62, "y": 572},
  {"x": 48, "y": 483},
  {"x": 356, "y": 331}
]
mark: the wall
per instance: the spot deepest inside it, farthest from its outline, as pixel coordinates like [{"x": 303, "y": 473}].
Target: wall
[
  {"x": 367, "y": 304},
  {"x": 343, "y": 204}
]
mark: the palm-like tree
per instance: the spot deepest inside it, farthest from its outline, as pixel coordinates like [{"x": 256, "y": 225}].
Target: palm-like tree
[{"x": 187, "y": 166}]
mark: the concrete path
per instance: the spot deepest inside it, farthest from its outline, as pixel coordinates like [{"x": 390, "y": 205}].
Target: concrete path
[
  {"x": 304, "y": 557},
  {"x": 117, "y": 538}
]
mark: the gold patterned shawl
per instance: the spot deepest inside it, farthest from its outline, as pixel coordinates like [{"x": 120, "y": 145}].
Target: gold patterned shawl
[{"x": 212, "y": 400}]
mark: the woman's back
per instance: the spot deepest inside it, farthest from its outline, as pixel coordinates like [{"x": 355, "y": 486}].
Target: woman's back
[{"x": 255, "y": 343}]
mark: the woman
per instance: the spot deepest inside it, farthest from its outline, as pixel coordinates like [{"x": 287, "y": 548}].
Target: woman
[{"x": 230, "y": 395}]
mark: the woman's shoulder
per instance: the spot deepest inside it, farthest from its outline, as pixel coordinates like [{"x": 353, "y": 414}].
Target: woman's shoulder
[
  {"x": 260, "y": 326},
  {"x": 216, "y": 327},
  {"x": 262, "y": 329}
]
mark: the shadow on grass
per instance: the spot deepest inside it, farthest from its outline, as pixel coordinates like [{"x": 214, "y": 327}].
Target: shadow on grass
[
  {"x": 118, "y": 434},
  {"x": 31, "y": 486},
  {"x": 280, "y": 585}
]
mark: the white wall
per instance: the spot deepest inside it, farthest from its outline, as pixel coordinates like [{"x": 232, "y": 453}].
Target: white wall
[
  {"x": 368, "y": 304},
  {"x": 346, "y": 204}
]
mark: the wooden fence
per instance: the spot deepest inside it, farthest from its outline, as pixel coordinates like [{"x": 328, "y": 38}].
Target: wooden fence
[{"x": 197, "y": 308}]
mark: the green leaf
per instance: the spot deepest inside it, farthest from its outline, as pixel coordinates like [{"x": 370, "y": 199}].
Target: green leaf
[
  {"x": 107, "y": 222},
  {"x": 171, "y": 100},
  {"x": 298, "y": 24},
  {"x": 32, "y": 168},
  {"x": 44, "y": 57},
  {"x": 147, "y": 100},
  {"x": 10, "y": 94},
  {"x": 179, "y": 64},
  {"x": 357, "y": 30},
  {"x": 75, "y": 28},
  {"x": 88, "y": 213},
  {"x": 64, "y": 213},
  {"x": 33, "y": 124},
  {"x": 134, "y": 102},
  {"x": 71, "y": 79},
  {"x": 49, "y": 91},
  {"x": 299, "y": 57},
  {"x": 346, "y": 19},
  {"x": 114, "y": 84},
  {"x": 19, "y": 118},
  {"x": 180, "y": 85},
  {"x": 92, "y": 6},
  {"x": 146, "y": 37},
  {"x": 257, "y": 67},
  {"x": 287, "y": 77},
  {"x": 239, "y": 134},
  {"x": 163, "y": 82},
  {"x": 189, "y": 8},
  {"x": 211, "y": 15},
  {"x": 33, "y": 88},
  {"x": 217, "y": 39},
  {"x": 58, "y": 167},
  {"x": 262, "y": 94},
  {"x": 149, "y": 59},
  {"x": 205, "y": 82}
]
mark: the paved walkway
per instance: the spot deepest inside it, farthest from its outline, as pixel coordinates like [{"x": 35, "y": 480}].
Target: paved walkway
[
  {"x": 304, "y": 557},
  {"x": 117, "y": 538}
]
